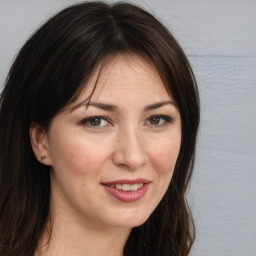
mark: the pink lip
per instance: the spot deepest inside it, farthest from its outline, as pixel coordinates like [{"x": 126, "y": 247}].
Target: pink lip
[{"x": 127, "y": 196}]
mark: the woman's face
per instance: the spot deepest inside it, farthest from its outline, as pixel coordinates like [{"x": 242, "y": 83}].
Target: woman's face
[{"x": 113, "y": 159}]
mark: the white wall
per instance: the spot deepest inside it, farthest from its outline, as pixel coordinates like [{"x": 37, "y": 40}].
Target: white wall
[{"x": 220, "y": 39}]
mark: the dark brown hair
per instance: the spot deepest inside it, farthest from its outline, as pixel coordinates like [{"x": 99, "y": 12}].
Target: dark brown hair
[{"x": 47, "y": 74}]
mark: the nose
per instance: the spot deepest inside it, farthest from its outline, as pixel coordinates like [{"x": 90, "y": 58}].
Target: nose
[{"x": 130, "y": 152}]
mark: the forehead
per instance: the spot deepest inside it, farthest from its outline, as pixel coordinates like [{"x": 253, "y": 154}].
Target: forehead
[{"x": 124, "y": 78}]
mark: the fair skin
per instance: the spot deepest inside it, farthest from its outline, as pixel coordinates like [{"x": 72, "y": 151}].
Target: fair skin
[{"x": 130, "y": 133}]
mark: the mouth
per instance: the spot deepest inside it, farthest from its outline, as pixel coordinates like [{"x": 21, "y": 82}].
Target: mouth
[
  {"x": 127, "y": 187},
  {"x": 127, "y": 190}
]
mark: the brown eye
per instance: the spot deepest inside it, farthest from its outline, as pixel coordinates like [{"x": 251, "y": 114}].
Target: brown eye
[
  {"x": 95, "y": 121},
  {"x": 159, "y": 120},
  {"x": 154, "y": 120}
]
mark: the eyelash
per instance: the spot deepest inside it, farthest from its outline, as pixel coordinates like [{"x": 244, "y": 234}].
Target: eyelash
[
  {"x": 165, "y": 120},
  {"x": 87, "y": 121}
]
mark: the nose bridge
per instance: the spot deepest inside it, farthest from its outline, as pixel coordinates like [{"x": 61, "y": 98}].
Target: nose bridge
[{"x": 130, "y": 150}]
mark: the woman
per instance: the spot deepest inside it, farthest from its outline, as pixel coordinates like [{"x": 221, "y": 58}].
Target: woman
[{"x": 99, "y": 117}]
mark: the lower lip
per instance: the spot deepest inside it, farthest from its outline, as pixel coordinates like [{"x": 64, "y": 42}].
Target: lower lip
[{"x": 128, "y": 196}]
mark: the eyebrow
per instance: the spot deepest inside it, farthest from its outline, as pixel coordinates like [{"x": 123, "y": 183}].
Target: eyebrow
[
  {"x": 103, "y": 106},
  {"x": 112, "y": 108},
  {"x": 158, "y": 105}
]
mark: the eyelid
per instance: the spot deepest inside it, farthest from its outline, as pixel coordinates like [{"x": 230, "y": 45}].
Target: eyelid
[
  {"x": 167, "y": 120},
  {"x": 164, "y": 120},
  {"x": 88, "y": 119}
]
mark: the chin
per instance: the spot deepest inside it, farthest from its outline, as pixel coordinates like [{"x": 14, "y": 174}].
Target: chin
[{"x": 131, "y": 220}]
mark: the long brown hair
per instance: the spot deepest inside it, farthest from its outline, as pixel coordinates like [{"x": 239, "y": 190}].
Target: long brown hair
[{"x": 47, "y": 74}]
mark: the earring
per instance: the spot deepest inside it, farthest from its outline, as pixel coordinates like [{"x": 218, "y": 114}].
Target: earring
[{"x": 43, "y": 157}]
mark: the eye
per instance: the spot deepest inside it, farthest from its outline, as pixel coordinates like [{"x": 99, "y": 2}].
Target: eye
[
  {"x": 95, "y": 122},
  {"x": 159, "y": 120}
]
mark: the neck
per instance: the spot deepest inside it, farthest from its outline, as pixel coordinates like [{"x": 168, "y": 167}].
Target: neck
[{"x": 65, "y": 238}]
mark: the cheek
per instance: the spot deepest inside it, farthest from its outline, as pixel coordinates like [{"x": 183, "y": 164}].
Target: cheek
[
  {"x": 165, "y": 155},
  {"x": 78, "y": 156}
]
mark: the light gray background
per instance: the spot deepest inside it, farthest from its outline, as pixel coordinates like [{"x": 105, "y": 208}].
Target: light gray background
[{"x": 220, "y": 40}]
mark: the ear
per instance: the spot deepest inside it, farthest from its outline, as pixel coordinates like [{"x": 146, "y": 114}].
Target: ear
[{"x": 39, "y": 143}]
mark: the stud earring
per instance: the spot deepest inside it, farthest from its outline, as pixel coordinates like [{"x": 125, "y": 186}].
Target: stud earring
[{"x": 43, "y": 157}]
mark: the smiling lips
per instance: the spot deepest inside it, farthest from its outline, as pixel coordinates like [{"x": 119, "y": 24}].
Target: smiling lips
[
  {"x": 127, "y": 187},
  {"x": 127, "y": 190}
]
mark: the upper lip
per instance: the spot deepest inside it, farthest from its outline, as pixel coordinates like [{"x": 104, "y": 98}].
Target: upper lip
[{"x": 126, "y": 181}]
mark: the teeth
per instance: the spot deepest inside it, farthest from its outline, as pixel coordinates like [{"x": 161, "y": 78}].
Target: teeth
[
  {"x": 140, "y": 185},
  {"x": 127, "y": 187},
  {"x": 118, "y": 186},
  {"x": 133, "y": 187}
]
